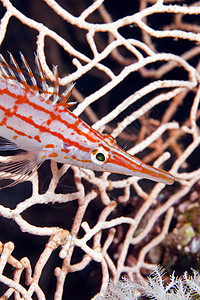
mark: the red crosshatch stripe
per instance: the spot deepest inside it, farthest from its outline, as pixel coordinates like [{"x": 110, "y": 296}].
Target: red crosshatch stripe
[
  {"x": 21, "y": 99},
  {"x": 19, "y": 132},
  {"x": 44, "y": 129}
]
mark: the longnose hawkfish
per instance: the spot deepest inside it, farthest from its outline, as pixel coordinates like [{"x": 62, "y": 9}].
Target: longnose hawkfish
[{"x": 34, "y": 117}]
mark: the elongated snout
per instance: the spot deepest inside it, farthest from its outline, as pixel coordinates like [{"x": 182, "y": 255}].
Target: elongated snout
[
  {"x": 131, "y": 165},
  {"x": 157, "y": 174}
]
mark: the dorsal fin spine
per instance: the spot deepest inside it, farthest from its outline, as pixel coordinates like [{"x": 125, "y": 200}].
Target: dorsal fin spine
[{"x": 18, "y": 77}]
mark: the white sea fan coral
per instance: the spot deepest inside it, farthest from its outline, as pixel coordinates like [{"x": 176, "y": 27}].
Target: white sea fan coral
[
  {"x": 136, "y": 68},
  {"x": 185, "y": 287},
  {"x": 192, "y": 282},
  {"x": 123, "y": 290}
]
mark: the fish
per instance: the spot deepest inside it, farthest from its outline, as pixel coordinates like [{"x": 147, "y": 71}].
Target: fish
[{"x": 35, "y": 118}]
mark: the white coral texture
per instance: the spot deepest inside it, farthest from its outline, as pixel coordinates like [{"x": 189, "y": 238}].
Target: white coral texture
[{"x": 186, "y": 287}]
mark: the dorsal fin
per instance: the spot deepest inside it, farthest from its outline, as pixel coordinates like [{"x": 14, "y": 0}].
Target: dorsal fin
[
  {"x": 29, "y": 73},
  {"x": 56, "y": 86},
  {"x": 19, "y": 74},
  {"x": 41, "y": 79},
  {"x": 7, "y": 72},
  {"x": 65, "y": 96},
  {"x": 26, "y": 79}
]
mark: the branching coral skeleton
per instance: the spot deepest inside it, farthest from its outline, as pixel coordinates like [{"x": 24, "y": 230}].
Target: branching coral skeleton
[{"x": 158, "y": 141}]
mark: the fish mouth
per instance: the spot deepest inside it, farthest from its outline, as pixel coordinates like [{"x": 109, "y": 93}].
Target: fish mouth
[{"x": 130, "y": 165}]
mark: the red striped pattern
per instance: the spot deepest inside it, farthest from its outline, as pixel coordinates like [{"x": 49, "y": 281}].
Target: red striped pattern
[{"x": 28, "y": 118}]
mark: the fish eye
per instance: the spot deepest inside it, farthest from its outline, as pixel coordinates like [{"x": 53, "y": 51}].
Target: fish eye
[{"x": 99, "y": 155}]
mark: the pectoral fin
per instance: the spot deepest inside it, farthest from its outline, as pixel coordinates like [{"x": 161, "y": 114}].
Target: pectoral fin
[
  {"x": 7, "y": 145},
  {"x": 19, "y": 167}
]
